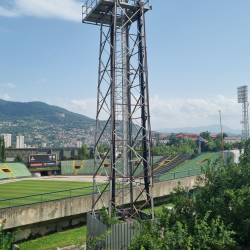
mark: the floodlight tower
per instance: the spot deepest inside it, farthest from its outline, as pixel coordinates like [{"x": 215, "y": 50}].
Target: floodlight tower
[
  {"x": 243, "y": 98},
  {"x": 123, "y": 100}
]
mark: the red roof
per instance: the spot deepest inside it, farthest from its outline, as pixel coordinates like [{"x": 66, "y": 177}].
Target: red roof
[
  {"x": 187, "y": 136},
  {"x": 214, "y": 136}
]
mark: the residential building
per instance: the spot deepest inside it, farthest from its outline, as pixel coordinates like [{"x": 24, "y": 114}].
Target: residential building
[
  {"x": 193, "y": 137},
  {"x": 7, "y": 140},
  {"x": 232, "y": 139},
  {"x": 78, "y": 144},
  {"x": 20, "y": 141}
]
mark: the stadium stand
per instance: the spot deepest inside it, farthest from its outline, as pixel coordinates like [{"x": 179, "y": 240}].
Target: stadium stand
[
  {"x": 197, "y": 161},
  {"x": 87, "y": 167},
  {"x": 192, "y": 167},
  {"x": 13, "y": 170},
  {"x": 80, "y": 167},
  {"x": 169, "y": 162}
]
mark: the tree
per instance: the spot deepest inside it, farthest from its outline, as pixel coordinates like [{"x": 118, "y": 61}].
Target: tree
[
  {"x": 206, "y": 135},
  {"x": 219, "y": 136},
  {"x": 83, "y": 152},
  {"x": 91, "y": 153},
  {"x": 173, "y": 140},
  {"x": 18, "y": 158},
  {"x": 100, "y": 148},
  {"x": 64, "y": 158},
  {"x": 7, "y": 239},
  {"x": 3, "y": 151},
  {"x": 165, "y": 234},
  {"x": 215, "y": 217},
  {"x": 1, "y": 148}
]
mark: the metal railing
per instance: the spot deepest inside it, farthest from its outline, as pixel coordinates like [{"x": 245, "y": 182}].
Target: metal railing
[
  {"x": 177, "y": 175},
  {"x": 38, "y": 198},
  {"x": 63, "y": 194},
  {"x": 88, "y": 7},
  {"x": 91, "y": 4}
]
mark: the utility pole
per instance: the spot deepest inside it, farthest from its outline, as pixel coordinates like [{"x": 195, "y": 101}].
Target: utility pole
[{"x": 221, "y": 136}]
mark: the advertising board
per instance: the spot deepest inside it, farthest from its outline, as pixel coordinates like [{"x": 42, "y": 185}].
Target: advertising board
[{"x": 46, "y": 160}]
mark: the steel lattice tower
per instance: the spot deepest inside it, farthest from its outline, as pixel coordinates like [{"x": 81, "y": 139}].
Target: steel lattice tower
[
  {"x": 123, "y": 100},
  {"x": 243, "y": 98}
]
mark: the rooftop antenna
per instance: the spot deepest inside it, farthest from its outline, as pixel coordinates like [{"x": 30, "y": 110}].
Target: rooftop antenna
[
  {"x": 123, "y": 98},
  {"x": 243, "y": 98}
]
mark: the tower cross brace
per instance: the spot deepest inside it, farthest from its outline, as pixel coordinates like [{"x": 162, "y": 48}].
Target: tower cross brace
[{"x": 123, "y": 133}]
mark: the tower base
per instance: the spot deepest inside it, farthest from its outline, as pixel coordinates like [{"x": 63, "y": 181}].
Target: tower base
[{"x": 120, "y": 235}]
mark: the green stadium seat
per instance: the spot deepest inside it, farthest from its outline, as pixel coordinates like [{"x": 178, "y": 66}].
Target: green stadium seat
[{"x": 16, "y": 170}]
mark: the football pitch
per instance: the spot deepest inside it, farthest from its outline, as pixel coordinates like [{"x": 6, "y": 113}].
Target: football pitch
[{"x": 33, "y": 191}]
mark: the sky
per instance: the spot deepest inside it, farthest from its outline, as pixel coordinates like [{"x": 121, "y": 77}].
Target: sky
[{"x": 198, "y": 54}]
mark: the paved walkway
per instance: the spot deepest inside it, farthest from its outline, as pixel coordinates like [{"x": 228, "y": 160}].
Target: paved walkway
[
  {"x": 77, "y": 178},
  {"x": 71, "y": 248}
]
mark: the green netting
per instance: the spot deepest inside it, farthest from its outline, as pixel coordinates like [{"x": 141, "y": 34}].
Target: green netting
[{"x": 16, "y": 170}]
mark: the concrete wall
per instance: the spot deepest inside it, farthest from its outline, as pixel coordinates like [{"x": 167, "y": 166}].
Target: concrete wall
[
  {"x": 235, "y": 154},
  {"x": 44, "y": 228},
  {"x": 29, "y": 217}
]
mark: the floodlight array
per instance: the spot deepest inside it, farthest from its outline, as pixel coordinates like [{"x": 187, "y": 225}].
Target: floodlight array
[
  {"x": 242, "y": 94},
  {"x": 243, "y": 98}
]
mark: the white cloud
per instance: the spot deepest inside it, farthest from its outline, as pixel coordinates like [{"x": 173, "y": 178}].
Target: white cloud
[
  {"x": 85, "y": 107},
  {"x": 63, "y": 9},
  {"x": 8, "y": 12},
  {"x": 42, "y": 81},
  {"x": 172, "y": 113},
  {"x": 9, "y": 85},
  {"x": 4, "y": 96}
]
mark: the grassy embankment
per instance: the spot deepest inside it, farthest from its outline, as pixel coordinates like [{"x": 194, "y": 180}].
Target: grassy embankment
[{"x": 66, "y": 238}]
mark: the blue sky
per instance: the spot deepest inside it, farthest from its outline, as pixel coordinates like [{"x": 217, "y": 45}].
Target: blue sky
[{"x": 198, "y": 53}]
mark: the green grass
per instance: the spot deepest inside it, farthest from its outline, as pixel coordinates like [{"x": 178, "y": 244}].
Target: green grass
[
  {"x": 33, "y": 187},
  {"x": 51, "y": 242},
  {"x": 158, "y": 208},
  {"x": 67, "y": 238}
]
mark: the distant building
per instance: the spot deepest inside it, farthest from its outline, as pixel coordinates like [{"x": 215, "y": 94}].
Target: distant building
[
  {"x": 79, "y": 144},
  {"x": 20, "y": 141},
  {"x": 164, "y": 141},
  {"x": 234, "y": 154},
  {"x": 193, "y": 137},
  {"x": 214, "y": 136},
  {"x": 60, "y": 115},
  {"x": 7, "y": 140},
  {"x": 232, "y": 139}
]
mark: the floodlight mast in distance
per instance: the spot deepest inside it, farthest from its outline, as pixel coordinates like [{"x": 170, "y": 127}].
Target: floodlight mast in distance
[
  {"x": 243, "y": 98},
  {"x": 123, "y": 99}
]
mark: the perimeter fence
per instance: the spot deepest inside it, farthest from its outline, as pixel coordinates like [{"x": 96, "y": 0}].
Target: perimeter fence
[{"x": 63, "y": 194}]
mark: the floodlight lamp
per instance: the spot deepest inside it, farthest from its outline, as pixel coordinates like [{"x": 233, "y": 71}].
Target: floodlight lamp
[{"x": 242, "y": 94}]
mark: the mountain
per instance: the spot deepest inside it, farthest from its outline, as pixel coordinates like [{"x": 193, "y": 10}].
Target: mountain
[
  {"x": 12, "y": 111},
  {"x": 214, "y": 129},
  {"x": 43, "y": 124}
]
